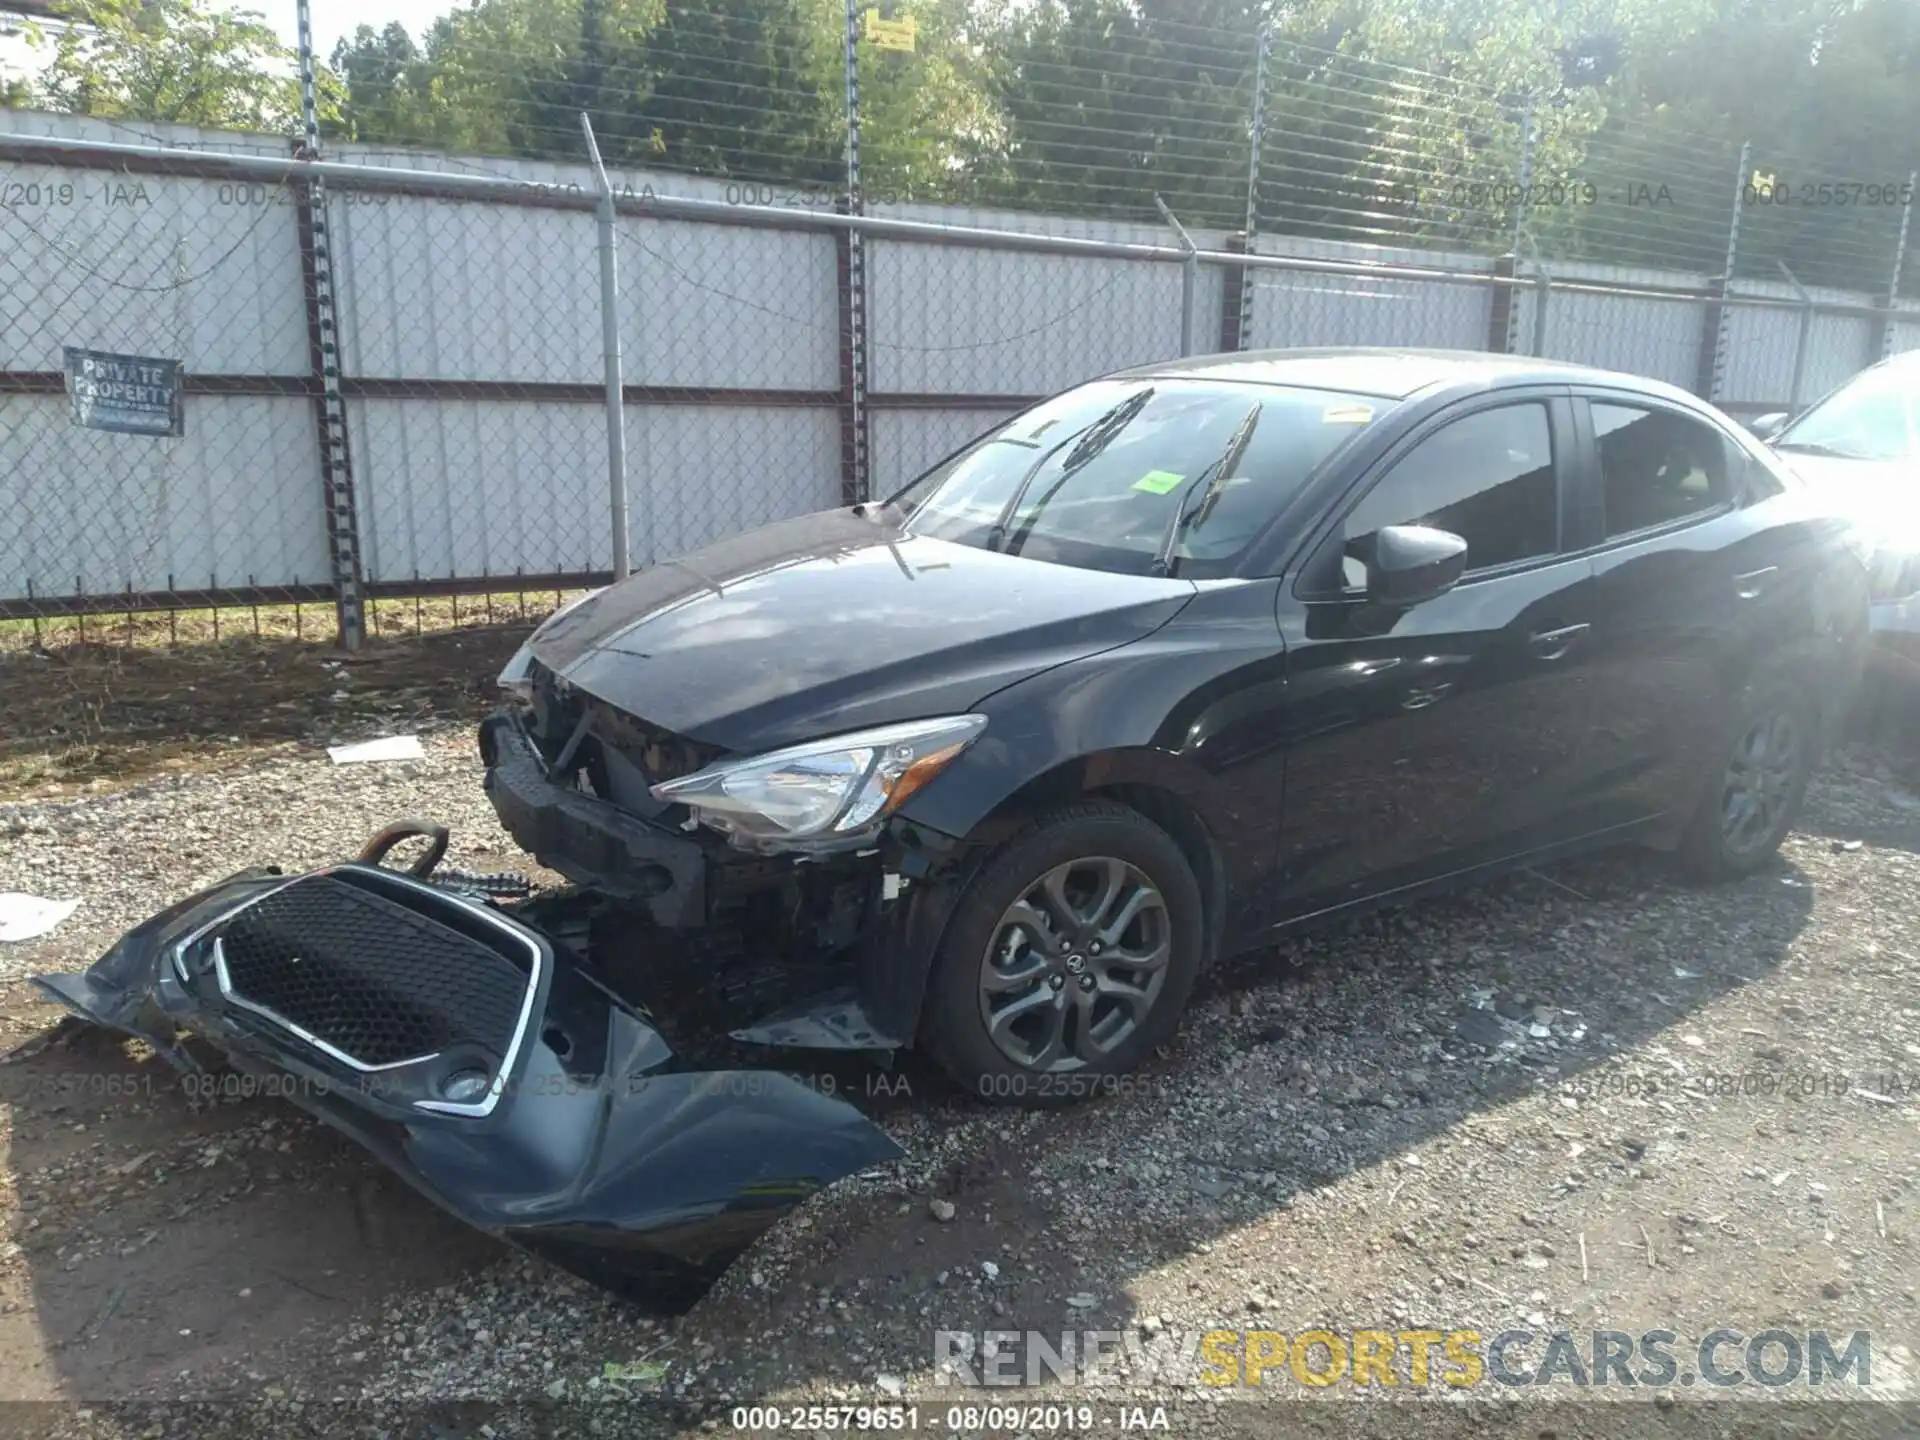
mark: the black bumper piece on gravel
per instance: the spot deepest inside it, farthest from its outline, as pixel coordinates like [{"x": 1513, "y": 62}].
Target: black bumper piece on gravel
[
  {"x": 483, "y": 1064},
  {"x": 589, "y": 840}
]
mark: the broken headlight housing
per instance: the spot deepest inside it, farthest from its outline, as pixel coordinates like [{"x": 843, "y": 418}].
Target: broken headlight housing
[{"x": 831, "y": 794}]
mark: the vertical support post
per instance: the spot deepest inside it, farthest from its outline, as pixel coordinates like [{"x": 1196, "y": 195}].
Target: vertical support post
[
  {"x": 323, "y": 348},
  {"x": 855, "y": 481},
  {"x": 1800, "y": 342},
  {"x": 1526, "y": 174},
  {"x": 1189, "y": 288},
  {"x": 1503, "y": 310},
  {"x": 1542, "y": 291},
  {"x": 610, "y": 352},
  {"x": 1893, "y": 277},
  {"x": 1189, "y": 276},
  {"x": 1712, "y": 373},
  {"x": 1233, "y": 284},
  {"x": 1243, "y": 328},
  {"x": 1503, "y": 330}
]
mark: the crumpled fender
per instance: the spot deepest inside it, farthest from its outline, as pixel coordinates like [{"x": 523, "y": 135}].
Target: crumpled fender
[{"x": 599, "y": 1154}]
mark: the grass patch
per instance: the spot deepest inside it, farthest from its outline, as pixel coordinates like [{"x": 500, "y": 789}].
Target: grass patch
[{"x": 160, "y": 693}]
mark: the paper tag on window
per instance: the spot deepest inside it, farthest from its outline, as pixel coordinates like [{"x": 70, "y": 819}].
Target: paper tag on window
[
  {"x": 1158, "y": 482},
  {"x": 1346, "y": 415}
]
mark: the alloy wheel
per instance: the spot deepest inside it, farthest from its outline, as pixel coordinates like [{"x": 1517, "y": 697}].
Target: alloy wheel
[
  {"x": 1759, "y": 782},
  {"x": 1076, "y": 964}
]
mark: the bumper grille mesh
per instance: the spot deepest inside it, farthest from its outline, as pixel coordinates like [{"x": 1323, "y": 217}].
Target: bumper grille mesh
[{"x": 373, "y": 978}]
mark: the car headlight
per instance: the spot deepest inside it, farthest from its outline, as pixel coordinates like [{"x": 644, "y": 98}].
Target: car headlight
[
  {"x": 827, "y": 794},
  {"x": 517, "y": 677}
]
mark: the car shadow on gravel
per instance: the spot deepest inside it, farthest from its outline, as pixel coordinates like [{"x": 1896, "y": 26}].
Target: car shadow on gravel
[
  {"x": 1338, "y": 1051},
  {"x": 164, "y": 1242}
]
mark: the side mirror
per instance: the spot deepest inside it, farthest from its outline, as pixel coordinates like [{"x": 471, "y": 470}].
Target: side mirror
[
  {"x": 1769, "y": 425},
  {"x": 1410, "y": 564}
]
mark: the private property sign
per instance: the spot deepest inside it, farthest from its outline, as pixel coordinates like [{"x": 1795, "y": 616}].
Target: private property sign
[{"x": 130, "y": 394}]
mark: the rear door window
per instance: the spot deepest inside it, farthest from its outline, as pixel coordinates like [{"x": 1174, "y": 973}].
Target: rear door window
[{"x": 1658, "y": 467}]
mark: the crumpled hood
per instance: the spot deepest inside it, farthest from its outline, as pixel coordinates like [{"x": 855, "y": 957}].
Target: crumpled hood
[{"x": 833, "y": 621}]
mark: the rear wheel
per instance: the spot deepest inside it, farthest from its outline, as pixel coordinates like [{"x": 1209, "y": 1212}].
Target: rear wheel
[
  {"x": 1765, "y": 765},
  {"x": 1069, "y": 957}
]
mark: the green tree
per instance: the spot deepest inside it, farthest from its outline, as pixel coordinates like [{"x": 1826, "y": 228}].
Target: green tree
[
  {"x": 1108, "y": 103},
  {"x": 376, "y": 69},
  {"x": 1825, "y": 95},
  {"x": 172, "y": 60},
  {"x": 739, "y": 88}
]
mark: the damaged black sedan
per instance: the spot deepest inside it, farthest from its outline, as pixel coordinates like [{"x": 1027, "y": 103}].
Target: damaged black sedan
[
  {"x": 1144, "y": 677},
  {"x": 1170, "y": 663}
]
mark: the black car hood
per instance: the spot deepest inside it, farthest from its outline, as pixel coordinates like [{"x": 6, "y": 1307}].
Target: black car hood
[{"x": 836, "y": 620}]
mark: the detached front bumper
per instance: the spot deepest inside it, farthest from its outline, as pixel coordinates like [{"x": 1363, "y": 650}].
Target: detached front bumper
[{"x": 484, "y": 1064}]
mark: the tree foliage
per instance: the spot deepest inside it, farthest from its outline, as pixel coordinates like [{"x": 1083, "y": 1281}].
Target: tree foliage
[
  {"x": 1385, "y": 120},
  {"x": 181, "y": 61}
]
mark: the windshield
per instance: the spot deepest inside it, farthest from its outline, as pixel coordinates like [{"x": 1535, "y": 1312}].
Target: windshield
[
  {"x": 1138, "y": 476},
  {"x": 1875, "y": 416}
]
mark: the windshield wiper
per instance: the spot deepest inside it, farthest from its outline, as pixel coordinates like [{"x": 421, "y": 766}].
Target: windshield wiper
[
  {"x": 1092, "y": 440},
  {"x": 1165, "y": 562}
]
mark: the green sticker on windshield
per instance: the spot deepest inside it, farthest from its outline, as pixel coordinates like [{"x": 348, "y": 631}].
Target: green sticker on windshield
[{"x": 1158, "y": 482}]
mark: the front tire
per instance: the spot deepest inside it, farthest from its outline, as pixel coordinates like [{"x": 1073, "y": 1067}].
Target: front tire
[
  {"x": 1067, "y": 960},
  {"x": 1766, "y": 762}
]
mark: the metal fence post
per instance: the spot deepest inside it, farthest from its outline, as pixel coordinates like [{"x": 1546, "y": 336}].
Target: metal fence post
[
  {"x": 1806, "y": 333},
  {"x": 1510, "y": 313},
  {"x": 610, "y": 351},
  {"x": 1542, "y": 289},
  {"x": 1243, "y": 331},
  {"x": 323, "y": 344},
  {"x": 1189, "y": 275},
  {"x": 855, "y": 481},
  {"x": 1899, "y": 256},
  {"x": 1526, "y": 172},
  {"x": 1712, "y": 372},
  {"x": 1502, "y": 303}
]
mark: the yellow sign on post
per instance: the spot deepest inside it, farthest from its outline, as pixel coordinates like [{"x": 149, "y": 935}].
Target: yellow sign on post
[{"x": 889, "y": 34}]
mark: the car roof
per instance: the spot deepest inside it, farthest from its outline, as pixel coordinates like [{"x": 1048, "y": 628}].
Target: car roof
[{"x": 1396, "y": 372}]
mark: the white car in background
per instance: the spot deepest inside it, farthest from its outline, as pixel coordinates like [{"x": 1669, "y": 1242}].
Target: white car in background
[{"x": 1861, "y": 445}]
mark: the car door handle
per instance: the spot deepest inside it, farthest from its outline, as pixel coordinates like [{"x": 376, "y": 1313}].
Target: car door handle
[
  {"x": 1422, "y": 697},
  {"x": 1552, "y": 644},
  {"x": 1749, "y": 585}
]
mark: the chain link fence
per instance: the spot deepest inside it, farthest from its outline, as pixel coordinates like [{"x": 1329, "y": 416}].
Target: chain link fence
[
  {"x": 157, "y": 265},
  {"x": 395, "y": 379}
]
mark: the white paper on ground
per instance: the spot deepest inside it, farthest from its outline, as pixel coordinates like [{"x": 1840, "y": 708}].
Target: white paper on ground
[
  {"x": 26, "y": 917},
  {"x": 388, "y": 747}
]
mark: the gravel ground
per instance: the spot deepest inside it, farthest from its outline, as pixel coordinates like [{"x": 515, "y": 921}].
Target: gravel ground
[{"x": 1585, "y": 1097}]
